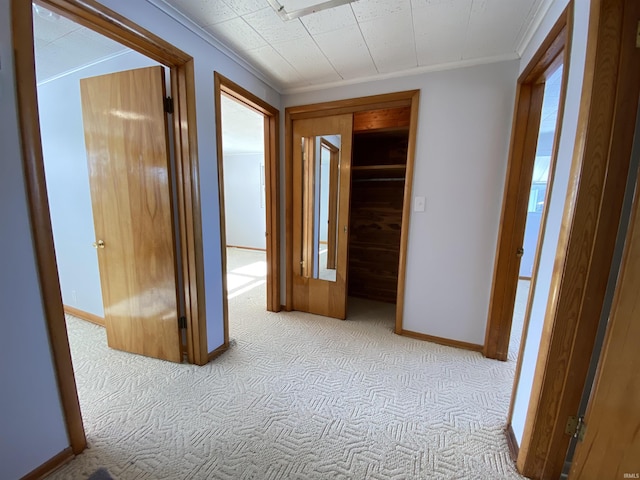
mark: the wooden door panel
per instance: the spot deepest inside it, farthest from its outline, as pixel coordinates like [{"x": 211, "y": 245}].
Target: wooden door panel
[
  {"x": 611, "y": 445},
  {"x": 128, "y": 158},
  {"x": 313, "y": 294}
]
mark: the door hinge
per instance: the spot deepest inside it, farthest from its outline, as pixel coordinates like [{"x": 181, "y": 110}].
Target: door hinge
[
  {"x": 638, "y": 36},
  {"x": 576, "y": 427},
  {"x": 182, "y": 323},
  {"x": 168, "y": 104}
]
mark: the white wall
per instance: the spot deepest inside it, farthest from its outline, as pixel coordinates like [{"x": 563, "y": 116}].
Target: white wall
[
  {"x": 461, "y": 156},
  {"x": 557, "y": 199},
  {"x": 244, "y": 200},
  {"x": 67, "y": 176},
  {"x": 31, "y": 422},
  {"x": 207, "y": 59}
]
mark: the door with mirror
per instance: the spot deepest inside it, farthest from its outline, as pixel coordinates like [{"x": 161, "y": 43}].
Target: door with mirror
[{"x": 321, "y": 186}]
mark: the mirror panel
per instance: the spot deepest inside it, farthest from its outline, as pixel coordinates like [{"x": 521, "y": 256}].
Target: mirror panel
[{"x": 320, "y": 186}]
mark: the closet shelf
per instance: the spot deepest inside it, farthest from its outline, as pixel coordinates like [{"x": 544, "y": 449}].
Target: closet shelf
[{"x": 377, "y": 171}]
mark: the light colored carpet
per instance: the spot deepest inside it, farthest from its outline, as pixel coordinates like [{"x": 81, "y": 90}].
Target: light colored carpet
[{"x": 299, "y": 396}]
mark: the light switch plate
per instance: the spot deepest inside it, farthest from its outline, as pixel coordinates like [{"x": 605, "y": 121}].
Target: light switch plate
[{"x": 418, "y": 204}]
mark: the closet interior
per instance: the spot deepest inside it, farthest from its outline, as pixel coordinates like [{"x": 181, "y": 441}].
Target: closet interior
[{"x": 379, "y": 160}]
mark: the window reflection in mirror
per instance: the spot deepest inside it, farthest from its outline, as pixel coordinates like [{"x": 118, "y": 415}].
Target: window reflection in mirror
[{"x": 321, "y": 180}]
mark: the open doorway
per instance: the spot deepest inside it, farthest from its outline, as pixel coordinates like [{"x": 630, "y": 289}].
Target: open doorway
[
  {"x": 106, "y": 22},
  {"x": 247, "y": 143},
  {"x": 98, "y": 190}
]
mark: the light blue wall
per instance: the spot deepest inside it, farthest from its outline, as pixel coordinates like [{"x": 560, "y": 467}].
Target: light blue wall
[
  {"x": 67, "y": 176},
  {"x": 32, "y": 429}
]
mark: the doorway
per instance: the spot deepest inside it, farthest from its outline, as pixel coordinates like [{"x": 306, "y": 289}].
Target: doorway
[
  {"x": 248, "y": 183},
  {"x": 378, "y": 116},
  {"x": 113, "y": 26}
]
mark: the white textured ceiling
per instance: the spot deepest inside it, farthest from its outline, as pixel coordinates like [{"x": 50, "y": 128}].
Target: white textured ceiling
[{"x": 363, "y": 39}]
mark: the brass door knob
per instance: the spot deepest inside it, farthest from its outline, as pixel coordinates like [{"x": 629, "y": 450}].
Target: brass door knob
[
  {"x": 98, "y": 244},
  {"x": 520, "y": 252}
]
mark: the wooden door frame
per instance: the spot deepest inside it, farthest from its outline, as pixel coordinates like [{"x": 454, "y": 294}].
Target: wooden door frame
[
  {"x": 599, "y": 173},
  {"x": 93, "y": 15},
  {"x": 332, "y": 227},
  {"x": 553, "y": 51},
  {"x": 409, "y": 98},
  {"x": 272, "y": 194}
]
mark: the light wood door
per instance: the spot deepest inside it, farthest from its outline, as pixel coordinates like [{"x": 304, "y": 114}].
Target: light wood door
[
  {"x": 127, "y": 146},
  {"x": 317, "y": 289},
  {"x": 611, "y": 445}
]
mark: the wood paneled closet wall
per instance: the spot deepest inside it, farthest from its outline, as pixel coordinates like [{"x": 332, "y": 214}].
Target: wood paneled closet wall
[{"x": 380, "y": 143}]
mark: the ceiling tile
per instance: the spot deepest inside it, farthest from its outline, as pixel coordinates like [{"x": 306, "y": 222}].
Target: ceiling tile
[
  {"x": 204, "y": 12},
  {"x": 271, "y": 61},
  {"x": 244, "y": 7},
  {"x": 237, "y": 34},
  {"x": 366, "y": 10},
  {"x": 308, "y": 59},
  {"x": 273, "y": 29},
  {"x": 351, "y": 62},
  {"x": 329, "y": 20},
  {"x": 440, "y": 30},
  {"x": 49, "y": 28},
  {"x": 495, "y": 26},
  {"x": 390, "y": 41}
]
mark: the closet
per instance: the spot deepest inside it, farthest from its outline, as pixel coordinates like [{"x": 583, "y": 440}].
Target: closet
[{"x": 378, "y": 171}]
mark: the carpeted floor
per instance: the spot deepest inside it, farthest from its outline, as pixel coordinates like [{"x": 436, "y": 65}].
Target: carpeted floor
[{"x": 298, "y": 396}]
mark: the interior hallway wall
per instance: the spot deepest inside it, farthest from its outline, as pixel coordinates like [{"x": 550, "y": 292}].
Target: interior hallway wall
[
  {"x": 464, "y": 128},
  {"x": 31, "y": 420}
]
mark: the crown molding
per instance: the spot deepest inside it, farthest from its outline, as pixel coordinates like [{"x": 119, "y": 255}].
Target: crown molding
[
  {"x": 534, "y": 24},
  {"x": 403, "y": 73},
  {"x": 193, "y": 27}
]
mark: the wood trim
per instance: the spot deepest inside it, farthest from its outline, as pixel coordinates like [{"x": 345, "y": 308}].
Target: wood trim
[
  {"x": 83, "y": 315},
  {"x": 441, "y": 340},
  {"x": 406, "y": 209},
  {"x": 410, "y": 98},
  {"x": 52, "y": 464},
  {"x": 512, "y": 443},
  {"x": 587, "y": 239},
  {"x": 223, "y": 85},
  {"x": 610, "y": 447},
  {"x": 543, "y": 220},
  {"x": 223, "y": 223},
  {"x": 27, "y": 103},
  {"x": 522, "y": 152},
  {"x": 189, "y": 209}
]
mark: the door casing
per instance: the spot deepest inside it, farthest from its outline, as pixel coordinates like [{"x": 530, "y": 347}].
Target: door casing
[
  {"x": 522, "y": 152},
  {"x": 272, "y": 191},
  {"x": 410, "y": 98},
  {"x": 105, "y": 21}
]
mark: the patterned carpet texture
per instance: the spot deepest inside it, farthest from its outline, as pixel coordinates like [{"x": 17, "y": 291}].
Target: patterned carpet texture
[{"x": 297, "y": 397}]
